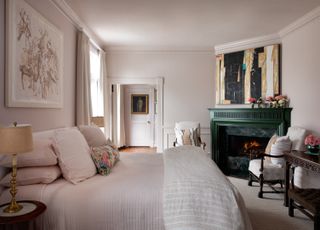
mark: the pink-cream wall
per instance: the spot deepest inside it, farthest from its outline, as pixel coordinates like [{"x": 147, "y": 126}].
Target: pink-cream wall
[
  {"x": 301, "y": 74},
  {"x": 42, "y": 119},
  {"x": 188, "y": 79}
]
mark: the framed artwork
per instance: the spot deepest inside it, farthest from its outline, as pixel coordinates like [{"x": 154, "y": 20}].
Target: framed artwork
[
  {"x": 139, "y": 104},
  {"x": 34, "y": 55},
  {"x": 251, "y": 73}
]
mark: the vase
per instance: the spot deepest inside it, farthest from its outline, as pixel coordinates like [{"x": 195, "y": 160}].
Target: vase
[
  {"x": 252, "y": 105},
  {"x": 313, "y": 148}
]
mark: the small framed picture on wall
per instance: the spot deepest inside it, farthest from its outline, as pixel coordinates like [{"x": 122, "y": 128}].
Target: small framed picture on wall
[{"x": 139, "y": 104}]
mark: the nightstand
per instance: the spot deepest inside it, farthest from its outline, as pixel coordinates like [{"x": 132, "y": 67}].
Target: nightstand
[{"x": 22, "y": 219}]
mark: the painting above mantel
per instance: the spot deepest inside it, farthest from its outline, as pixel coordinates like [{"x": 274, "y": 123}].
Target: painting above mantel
[{"x": 249, "y": 73}]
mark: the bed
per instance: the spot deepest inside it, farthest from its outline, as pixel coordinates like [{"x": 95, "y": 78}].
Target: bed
[{"x": 179, "y": 189}]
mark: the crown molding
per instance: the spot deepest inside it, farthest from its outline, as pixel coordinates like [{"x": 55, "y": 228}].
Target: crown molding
[
  {"x": 68, "y": 12},
  {"x": 300, "y": 22},
  {"x": 152, "y": 49},
  {"x": 247, "y": 43}
]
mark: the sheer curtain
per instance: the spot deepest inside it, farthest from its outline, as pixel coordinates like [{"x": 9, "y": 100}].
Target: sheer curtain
[
  {"x": 83, "y": 100},
  {"x": 118, "y": 129},
  {"x": 104, "y": 83}
]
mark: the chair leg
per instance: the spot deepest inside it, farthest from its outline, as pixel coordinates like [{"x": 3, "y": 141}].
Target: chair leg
[
  {"x": 260, "y": 194},
  {"x": 317, "y": 221},
  {"x": 250, "y": 180},
  {"x": 291, "y": 208}
]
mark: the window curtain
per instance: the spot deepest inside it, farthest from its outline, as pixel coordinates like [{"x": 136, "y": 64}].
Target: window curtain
[
  {"x": 83, "y": 100},
  {"x": 118, "y": 131},
  {"x": 104, "y": 83}
]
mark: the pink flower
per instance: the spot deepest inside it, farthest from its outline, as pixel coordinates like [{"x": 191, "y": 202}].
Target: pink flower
[
  {"x": 270, "y": 98},
  {"x": 312, "y": 140},
  {"x": 252, "y": 100},
  {"x": 280, "y": 97}
]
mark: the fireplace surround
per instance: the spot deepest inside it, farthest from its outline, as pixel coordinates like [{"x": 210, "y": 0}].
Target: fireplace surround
[{"x": 231, "y": 126}]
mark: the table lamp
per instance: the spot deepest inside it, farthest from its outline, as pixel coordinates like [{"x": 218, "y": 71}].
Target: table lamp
[{"x": 15, "y": 140}]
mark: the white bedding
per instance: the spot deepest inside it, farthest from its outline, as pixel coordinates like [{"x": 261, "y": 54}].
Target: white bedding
[
  {"x": 134, "y": 196},
  {"x": 130, "y": 198},
  {"x": 197, "y": 195}
]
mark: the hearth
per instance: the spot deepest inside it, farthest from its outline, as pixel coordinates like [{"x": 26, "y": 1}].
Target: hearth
[
  {"x": 239, "y": 144},
  {"x": 240, "y": 133}
]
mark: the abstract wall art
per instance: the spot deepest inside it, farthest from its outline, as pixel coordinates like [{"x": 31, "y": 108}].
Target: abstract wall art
[
  {"x": 249, "y": 73},
  {"x": 33, "y": 58}
]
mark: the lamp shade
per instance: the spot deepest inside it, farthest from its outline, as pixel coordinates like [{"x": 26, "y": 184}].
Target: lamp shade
[{"x": 16, "y": 139}]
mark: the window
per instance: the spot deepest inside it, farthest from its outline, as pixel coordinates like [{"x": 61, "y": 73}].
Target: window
[
  {"x": 96, "y": 88},
  {"x": 96, "y": 83}
]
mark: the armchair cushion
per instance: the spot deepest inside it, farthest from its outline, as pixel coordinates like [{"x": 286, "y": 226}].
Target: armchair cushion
[
  {"x": 282, "y": 144},
  {"x": 270, "y": 171}
]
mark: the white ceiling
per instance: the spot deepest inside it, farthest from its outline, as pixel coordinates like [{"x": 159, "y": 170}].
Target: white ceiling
[{"x": 179, "y": 24}]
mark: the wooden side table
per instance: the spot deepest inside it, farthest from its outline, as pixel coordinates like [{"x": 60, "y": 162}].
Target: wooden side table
[
  {"x": 299, "y": 158},
  {"x": 20, "y": 220}
]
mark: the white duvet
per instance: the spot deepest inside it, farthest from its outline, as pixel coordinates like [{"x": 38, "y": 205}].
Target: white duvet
[{"x": 195, "y": 195}]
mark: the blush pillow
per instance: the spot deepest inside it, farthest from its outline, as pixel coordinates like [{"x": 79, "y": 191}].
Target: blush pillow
[
  {"x": 281, "y": 144},
  {"x": 93, "y": 134},
  {"x": 33, "y": 175},
  {"x": 41, "y": 155},
  {"x": 73, "y": 155}
]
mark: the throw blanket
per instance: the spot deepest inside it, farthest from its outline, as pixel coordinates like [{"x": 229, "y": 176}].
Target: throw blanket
[{"x": 197, "y": 195}]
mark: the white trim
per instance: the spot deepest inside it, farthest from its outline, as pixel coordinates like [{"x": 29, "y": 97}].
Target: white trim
[
  {"x": 158, "y": 82},
  {"x": 67, "y": 11},
  {"x": 300, "y": 22},
  {"x": 247, "y": 43}
]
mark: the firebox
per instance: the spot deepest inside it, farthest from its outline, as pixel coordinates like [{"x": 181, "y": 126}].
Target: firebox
[
  {"x": 239, "y": 144},
  {"x": 238, "y": 134}
]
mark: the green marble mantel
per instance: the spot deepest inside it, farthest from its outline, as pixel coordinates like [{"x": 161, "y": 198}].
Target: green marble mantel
[{"x": 276, "y": 118}]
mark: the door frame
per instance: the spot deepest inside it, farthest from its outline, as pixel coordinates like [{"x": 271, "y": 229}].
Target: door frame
[{"x": 158, "y": 82}]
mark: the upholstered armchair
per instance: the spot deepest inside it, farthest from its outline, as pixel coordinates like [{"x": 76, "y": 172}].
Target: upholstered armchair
[
  {"x": 188, "y": 133},
  {"x": 270, "y": 168}
]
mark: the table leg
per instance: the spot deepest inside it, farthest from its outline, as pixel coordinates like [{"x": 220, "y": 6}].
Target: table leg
[{"x": 287, "y": 183}]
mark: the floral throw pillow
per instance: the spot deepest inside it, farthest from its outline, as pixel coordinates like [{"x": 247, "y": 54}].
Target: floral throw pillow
[{"x": 105, "y": 157}]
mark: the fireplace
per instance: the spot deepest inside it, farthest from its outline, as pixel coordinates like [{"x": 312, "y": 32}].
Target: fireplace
[
  {"x": 240, "y": 134},
  {"x": 239, "y": 144}
]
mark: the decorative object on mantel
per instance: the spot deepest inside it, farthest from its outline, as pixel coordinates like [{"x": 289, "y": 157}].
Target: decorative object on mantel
[
  {"x": 280, "y": 101},
  {"x": 252, "y": 101},
  {"x": 313, "y": 144},
  {"x": 247, "y": 73}
]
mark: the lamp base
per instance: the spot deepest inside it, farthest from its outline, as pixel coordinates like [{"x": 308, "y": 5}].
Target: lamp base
[{"x": 13, "y": 207}]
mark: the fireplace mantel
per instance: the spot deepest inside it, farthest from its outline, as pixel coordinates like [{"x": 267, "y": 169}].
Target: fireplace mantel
[{"x": 276, "y": 118}]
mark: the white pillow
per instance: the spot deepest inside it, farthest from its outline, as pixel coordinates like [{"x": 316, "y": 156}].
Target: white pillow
[
  {"x": 41, "y": 155},
  {"x": 187, "y": 137},
  {"x": 73, "y": 155},
  {"x": 33, "y": 175},
  {"x": 93, "y": 135},
  {"x": 282, "y": 144}
]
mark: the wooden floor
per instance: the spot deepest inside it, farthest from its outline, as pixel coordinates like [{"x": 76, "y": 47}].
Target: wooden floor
[{"x": 132, "y": 149}]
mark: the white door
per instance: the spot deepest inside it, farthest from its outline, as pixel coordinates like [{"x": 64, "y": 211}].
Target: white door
[{"x": 139, "y": 115}]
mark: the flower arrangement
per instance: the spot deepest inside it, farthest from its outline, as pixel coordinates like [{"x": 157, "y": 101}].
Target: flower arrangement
[
  {"x": 252, "y": 101},
  {"x": 312, "y": 140},
  {"x": 279, "y": 101},
  {"x": 312, "y": 143}
]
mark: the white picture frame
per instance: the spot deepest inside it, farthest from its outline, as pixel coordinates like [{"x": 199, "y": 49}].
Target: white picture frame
[{"x": 34, "y": 58}]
